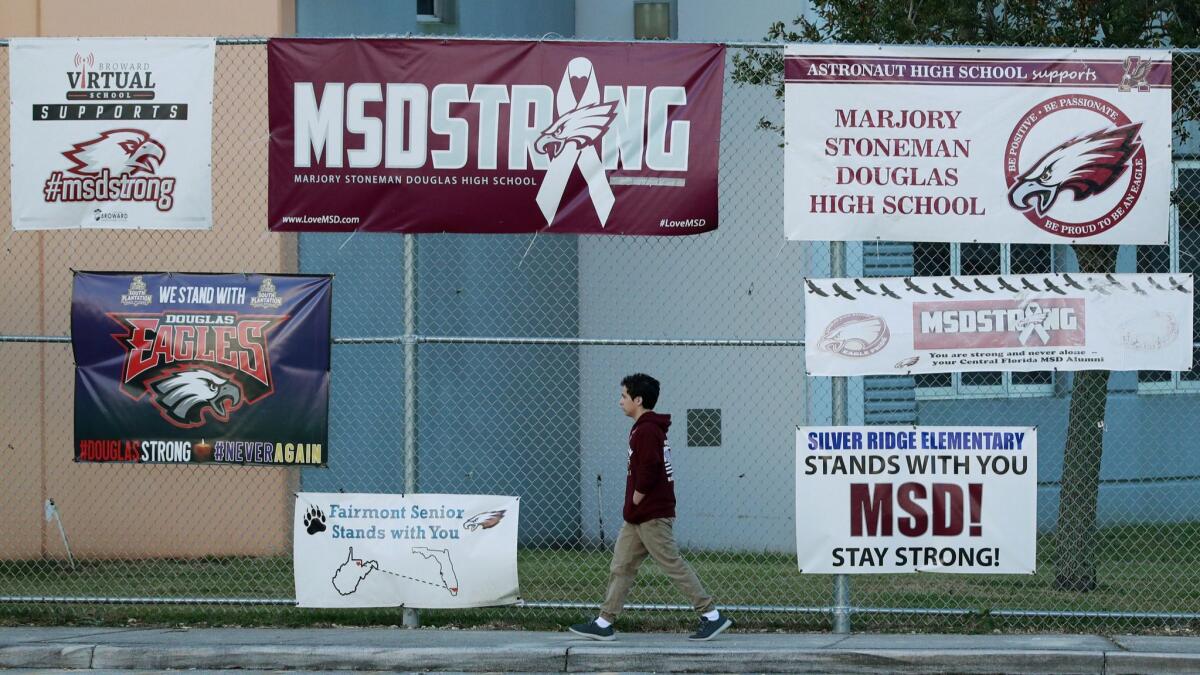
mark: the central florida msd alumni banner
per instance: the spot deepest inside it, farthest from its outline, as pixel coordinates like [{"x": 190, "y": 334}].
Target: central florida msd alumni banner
[
  {"x": 953, "y": 144},
  {"x": 418, "y": 550},
  {"x": 490, "y": 136},
  {"x": 916, "y": 499},
  {"x": 193, "y": 368},
  {"x": 890, "y": 326},
  {"x": 111, "y": 133}
]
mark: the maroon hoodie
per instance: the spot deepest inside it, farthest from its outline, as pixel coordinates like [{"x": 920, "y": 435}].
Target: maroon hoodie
[{"x": 650, "y": 471}]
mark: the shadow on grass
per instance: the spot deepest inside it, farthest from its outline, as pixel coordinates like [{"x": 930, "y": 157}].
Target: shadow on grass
[{"x": 1146, "y": 569}]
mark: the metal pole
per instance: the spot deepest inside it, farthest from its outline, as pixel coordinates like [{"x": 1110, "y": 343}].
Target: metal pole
[
  {"x": 838, "y": 414},
  {"x": 52, "y": 512},
  {"x": 772, "y": 609},
  {"x": 411, "y": 618}
]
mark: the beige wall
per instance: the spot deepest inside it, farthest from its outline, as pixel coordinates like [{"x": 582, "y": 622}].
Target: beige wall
[
  {"x": 69, "y": 18},
  {"x": 19, "y": 18},
  {"x": 133, "y": 511}
]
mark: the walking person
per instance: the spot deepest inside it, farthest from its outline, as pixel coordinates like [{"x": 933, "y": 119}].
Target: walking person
[{"x": 649, "y": 515}]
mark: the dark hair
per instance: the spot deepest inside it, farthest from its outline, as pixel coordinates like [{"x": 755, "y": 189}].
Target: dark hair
[{"x": 641, "y": 384}]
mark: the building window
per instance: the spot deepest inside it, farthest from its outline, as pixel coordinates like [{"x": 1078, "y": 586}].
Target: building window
[
  {"x": 653, "y": 20},
  {"x": 704, "y": 427},
  {"x": 939, "y": 260},
  {"x": 1181, "y": 255},
  {"x": 435, "y": 11}
]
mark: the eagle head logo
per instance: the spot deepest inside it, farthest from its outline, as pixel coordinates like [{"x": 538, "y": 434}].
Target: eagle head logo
[
  {"x": 186, "y": 395},
  {"x": 121, "y": 151},
  {"x": 581, "y": 127},
  {"x": 484, "y": 521},
  {"x": 855, "y": 335},
  {"x": 1086, "y": 166}
]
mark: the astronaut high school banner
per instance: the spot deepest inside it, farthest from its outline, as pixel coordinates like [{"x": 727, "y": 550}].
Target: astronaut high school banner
[
  {"x": 916, "y": 499},
  {"x": 111, "y": 133},
  {"x": 197, "y": 368},
  {"x": 902, "y": 325},
  {"x": 492, "y": 136},
  {"x": 953, "y": 144},
  {"x": 427, "y": 551}
]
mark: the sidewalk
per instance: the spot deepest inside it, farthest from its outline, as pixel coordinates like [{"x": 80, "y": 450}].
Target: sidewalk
[{"x": 515, "y": 651}]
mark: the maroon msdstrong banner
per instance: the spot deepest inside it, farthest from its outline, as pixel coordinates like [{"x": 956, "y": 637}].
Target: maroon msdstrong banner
[{"x": 491, "y": 136}]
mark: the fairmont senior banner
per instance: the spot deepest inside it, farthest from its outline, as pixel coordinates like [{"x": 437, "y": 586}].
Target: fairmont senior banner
[
  {"x": 428, "y": 551},
  {"x": 899, "y": 325},
  {"x": 1047, "y": 146},
  {"x": 194, "y": 368},
  {"x": 916, "y": 499},
  {"x": 492, "y": 136},
  {"x": 111, "y": 132}
]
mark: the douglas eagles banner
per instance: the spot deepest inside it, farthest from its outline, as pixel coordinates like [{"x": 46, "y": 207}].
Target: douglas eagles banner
[
  {"x": 898, "y": 325},
  {"x": 188, "y": 368},
  {"x": 1048, "y": 146},
  {"x": 111, "y": 133},
  {"x": 490, "y": 136}
]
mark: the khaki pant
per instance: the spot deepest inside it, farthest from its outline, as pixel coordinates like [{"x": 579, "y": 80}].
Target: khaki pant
[{"x": 654, "y": 538}]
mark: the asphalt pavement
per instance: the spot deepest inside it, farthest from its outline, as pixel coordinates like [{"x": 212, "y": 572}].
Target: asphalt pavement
[{"x": 395, "y": 649}]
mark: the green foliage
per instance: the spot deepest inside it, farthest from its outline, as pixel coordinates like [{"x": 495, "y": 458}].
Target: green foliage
[{"x": 1023, "y": 23}]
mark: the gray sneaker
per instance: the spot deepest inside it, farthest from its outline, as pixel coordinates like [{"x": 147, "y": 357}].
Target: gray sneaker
[
  {"x": 711, "y": 629},
  {"x": 592, "y": 631}
]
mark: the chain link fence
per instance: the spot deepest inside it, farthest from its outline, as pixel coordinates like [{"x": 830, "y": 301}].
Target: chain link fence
[{"x": 504, "y": 375}]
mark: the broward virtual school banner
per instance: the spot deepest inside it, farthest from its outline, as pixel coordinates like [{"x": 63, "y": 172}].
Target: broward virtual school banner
[
  {"x": 416, "y": 550},
  {"x": 193, "y": 368},
  {"x": 899, "y": 325},
  {"x": 916, "y": 499},
  {"x": 111, "y": 133},
  {"x": 1047, "y": 146},
  {"x": 493, "y": 136}
]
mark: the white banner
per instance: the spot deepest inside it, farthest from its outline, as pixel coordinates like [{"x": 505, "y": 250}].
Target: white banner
[
  {"x": 111, "y": 133},
  {"x": 417, "y": 550},
  {"x": 899, "y": 325},
  {"x": 988, "y": 145},
  {"x": 916, "y": 499}
]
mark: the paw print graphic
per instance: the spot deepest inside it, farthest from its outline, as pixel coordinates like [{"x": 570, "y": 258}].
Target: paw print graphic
[{"x": 314, "y": 520}]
